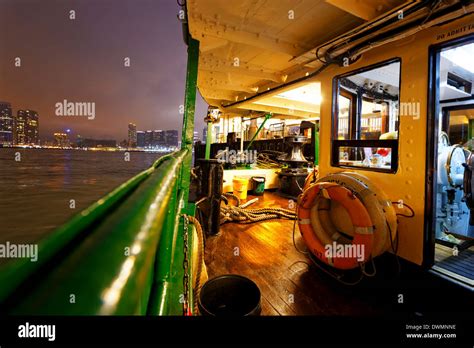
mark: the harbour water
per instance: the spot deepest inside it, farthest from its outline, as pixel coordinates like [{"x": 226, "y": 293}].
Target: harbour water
[{"x": 40, "y": 189}]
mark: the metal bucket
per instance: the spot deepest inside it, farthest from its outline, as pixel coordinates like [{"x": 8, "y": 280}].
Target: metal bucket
[{"x": 230, "y": 295}]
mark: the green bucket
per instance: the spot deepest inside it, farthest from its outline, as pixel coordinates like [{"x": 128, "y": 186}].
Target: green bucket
[{"x": 258, "y": 185}]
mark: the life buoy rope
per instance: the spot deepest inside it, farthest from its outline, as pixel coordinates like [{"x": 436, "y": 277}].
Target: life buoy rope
[
  {"x": 377, "y": 204},
  {"x": 360, "y": 218}
]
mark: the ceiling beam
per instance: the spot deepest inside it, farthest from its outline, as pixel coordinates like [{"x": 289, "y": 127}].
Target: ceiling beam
[
  {"x": 228, "y": 86},
  {"x": 278, "y": 110},
  {"x": 363, "y": 9},
  {"x": 212, "y": 63},
  {"x": 289, "y": 104},
  {"x": 232, "y": 33},
  {"x": 213, "y": 93}
]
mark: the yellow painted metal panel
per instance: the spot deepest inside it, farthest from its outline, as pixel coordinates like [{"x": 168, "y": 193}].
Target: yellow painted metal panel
[{"x": 408, "y": 184}]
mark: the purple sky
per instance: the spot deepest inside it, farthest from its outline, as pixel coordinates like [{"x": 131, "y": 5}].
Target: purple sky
[{"x": 82, "y": 60}]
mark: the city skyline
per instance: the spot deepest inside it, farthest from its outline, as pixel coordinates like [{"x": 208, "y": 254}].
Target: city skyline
[
  {"x": 133, "y": 71},
  {"x": 22, "y": 128}
]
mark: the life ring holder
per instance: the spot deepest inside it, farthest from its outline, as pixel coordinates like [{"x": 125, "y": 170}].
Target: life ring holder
[
  {"x": 371, "y": 200},
  {"x": 363, "y": 227}
]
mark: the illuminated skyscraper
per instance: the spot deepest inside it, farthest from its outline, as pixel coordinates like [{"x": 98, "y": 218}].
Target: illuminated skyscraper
[
  {"x": 132, "y": 135},
  {"x": 6, "y": 124},
  {"x": 27, "y": 127},
  {"x": 20, "y": 128},
  {"x": 140, "y": 139},
  {"x": 61, "y": 140},
  {"x": 148, "y": 138},
  {"x": 172, "y": 138},
  {"x": 32, "y": 127},
  {"x": 158, "y": 138}
]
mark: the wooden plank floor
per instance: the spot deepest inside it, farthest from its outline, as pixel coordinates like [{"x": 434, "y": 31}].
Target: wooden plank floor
[
  {"x": 290, "y": 285},
  {"x": 442, "y": 252}
]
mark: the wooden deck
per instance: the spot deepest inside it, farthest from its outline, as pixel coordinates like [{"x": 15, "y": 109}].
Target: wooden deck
[{"x": 289, "y": 283}]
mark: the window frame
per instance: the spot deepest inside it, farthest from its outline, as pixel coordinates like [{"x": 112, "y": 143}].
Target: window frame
[{"x": 336, "y": 144}]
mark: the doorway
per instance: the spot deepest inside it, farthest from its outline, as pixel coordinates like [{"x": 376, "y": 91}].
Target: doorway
[{"x": 450, "y": 162}]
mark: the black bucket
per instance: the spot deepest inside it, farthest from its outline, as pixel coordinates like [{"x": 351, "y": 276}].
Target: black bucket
[{"x": 230, "y": 295}]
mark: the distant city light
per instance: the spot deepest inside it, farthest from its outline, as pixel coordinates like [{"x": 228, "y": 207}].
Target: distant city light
[{"x": 68, "y": 130}]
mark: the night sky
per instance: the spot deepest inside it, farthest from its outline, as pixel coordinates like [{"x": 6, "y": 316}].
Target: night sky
[{"x": 82, "y": 60}]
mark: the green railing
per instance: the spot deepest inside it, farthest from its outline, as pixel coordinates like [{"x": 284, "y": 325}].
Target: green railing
[{"x": 123, "y": 255}]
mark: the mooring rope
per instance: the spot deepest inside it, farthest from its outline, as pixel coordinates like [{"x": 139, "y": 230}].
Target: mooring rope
[
  {"x": 200, "y": 262},
  {"x": 241, "y": 214}
]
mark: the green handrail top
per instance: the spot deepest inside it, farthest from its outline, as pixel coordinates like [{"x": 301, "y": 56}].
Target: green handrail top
[{"x": 16, "y": 272}]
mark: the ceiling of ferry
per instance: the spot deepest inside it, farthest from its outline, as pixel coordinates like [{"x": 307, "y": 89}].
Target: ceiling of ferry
[{"x": 248, "y": 46}]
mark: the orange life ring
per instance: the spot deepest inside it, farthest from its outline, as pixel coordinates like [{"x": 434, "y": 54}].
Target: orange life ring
[{"x": 360, "y": 218}]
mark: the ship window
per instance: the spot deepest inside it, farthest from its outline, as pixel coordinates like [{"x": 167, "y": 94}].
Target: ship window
[{"x": 365, "y": 122}]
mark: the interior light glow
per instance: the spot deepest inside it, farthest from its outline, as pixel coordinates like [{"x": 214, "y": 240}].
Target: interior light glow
[
  {"x": 309, "y": 93},
  {"x": 461, "y": 56}
]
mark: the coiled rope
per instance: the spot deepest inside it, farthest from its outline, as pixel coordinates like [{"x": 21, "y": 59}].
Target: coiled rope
[
  {"x": 240, "y": 214},
  {"x": 197, "y": 282}
]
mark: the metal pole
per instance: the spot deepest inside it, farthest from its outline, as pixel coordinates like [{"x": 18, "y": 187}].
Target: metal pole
[
  {"x": 208, "y": 140},
  {"x": 242, "y": 135},
  {"x": 316, "y": 144},
  {"x": 470, "y": 133},
  {"x": 267, "y": 116},
  {"x": 188, "y": 120}
]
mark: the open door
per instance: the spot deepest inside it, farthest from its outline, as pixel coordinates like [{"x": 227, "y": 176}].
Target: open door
[{"x": 450, "y": 192}]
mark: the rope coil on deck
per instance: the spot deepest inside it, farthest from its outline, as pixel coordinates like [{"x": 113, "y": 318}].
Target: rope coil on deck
[
  {"x": 200, "y": 261},
  {"x": 240, "y": 214}
]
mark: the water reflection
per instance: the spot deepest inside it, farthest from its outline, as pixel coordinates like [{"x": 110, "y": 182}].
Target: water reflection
[{"x": 35, "y": 193}]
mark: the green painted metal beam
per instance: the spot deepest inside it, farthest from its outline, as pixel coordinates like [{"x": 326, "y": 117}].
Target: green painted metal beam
[
  {"x": 267, "y": 117},
  {"x": 189, "y": 110},
  {"x": 168, "y": 287},
  {"x": 208, "y": 140},
  {"x": 164, "y": 299}
]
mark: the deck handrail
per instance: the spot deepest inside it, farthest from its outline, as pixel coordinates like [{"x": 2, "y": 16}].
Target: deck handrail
[{"x": 103, "y": 260}]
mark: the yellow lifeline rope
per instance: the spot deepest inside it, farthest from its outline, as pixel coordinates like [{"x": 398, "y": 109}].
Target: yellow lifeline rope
[
  {"x": 200, "y": 261},
  {"x": 240, "y": 214}
]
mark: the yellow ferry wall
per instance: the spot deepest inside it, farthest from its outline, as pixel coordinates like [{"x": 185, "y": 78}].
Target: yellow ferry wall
[{"x": 408, "y": 183}]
